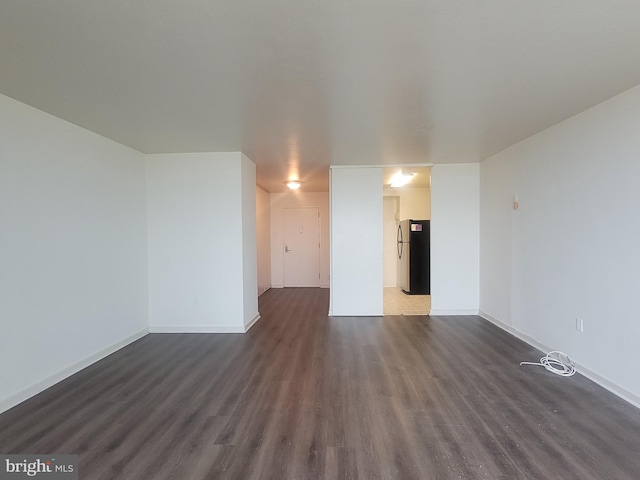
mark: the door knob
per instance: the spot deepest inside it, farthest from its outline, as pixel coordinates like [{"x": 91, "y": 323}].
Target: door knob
[{"x": 286, "y": 249}]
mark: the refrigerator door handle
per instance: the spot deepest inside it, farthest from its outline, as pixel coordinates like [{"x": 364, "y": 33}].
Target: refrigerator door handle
[{"x": 399, "y": 238}]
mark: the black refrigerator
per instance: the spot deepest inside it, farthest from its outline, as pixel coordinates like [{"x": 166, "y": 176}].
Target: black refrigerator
[{"x": 414, "y": 262}]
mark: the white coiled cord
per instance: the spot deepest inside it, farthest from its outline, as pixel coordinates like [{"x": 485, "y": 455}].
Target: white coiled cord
[{"x": 556, "y": 362}]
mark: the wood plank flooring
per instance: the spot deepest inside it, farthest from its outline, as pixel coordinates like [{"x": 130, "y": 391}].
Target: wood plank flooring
[{"x": 304, "y": 396}]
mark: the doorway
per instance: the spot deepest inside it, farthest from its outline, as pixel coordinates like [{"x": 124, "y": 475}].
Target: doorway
[
  {"x": 301, "y": 239},
  {"x": 411, "y": 201}
]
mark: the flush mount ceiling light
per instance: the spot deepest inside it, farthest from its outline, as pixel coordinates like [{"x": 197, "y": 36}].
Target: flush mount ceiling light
[
  {"x": 401, "y": 179},
  {"x": 293, "y": 184}
]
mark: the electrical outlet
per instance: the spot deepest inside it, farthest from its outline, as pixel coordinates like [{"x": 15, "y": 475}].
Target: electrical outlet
[{"x": 579, "y": 324}]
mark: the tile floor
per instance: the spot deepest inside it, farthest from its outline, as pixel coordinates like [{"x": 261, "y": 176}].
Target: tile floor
[{"x": 398, "y": 303}]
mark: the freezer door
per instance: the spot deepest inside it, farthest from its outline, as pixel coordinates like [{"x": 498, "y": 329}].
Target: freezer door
[{"x": 420, "y": 262}]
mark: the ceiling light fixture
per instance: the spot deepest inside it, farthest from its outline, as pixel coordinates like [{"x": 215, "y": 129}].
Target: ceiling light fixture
[
  {"x": 401, "y": 179},
  {"x": 293, "y": 184}
]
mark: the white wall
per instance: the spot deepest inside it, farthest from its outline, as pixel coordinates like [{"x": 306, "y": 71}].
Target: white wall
[
  {"x": 198, "y": 260},
  {"x": 389, "y": 241},
  {"x": 414, "y": 202},
  {"x": 249, "y": 242},
  {"x": 455, "y": 239},
  {"x": 356, "y": 241},
  {"x": 298, "y": 199},
  {"x": 573, "y": 241},
  {"x": 263, "y": 233},
  {"x": 73, "y": 275},
  {"x": 496, "y": 217}
]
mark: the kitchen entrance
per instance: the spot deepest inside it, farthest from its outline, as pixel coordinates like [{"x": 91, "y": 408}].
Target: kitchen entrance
[{"x": 406, "y": 229}]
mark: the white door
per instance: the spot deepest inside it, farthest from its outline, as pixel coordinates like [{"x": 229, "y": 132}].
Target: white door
[{"x": 301, "y": 247}]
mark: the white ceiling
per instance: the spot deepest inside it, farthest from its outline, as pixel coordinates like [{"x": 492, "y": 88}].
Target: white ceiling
[{"x": 298, "y": 85}]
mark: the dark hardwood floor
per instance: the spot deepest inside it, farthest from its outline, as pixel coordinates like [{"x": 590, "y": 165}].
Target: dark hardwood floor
[{"x": 304, "y": 396}]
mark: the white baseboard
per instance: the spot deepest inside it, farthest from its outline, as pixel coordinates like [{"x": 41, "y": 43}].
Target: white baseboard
[
  {"x": 252, "y": 322},
  {"x": 630, "y": 397},
  {"x": 277, "y": 286},
  {"x": 196, "y": 329},
  {"x": 30, "y": 391},
  {"x": 453, "y": 312},
  {"x": 623, "y": 393}
]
